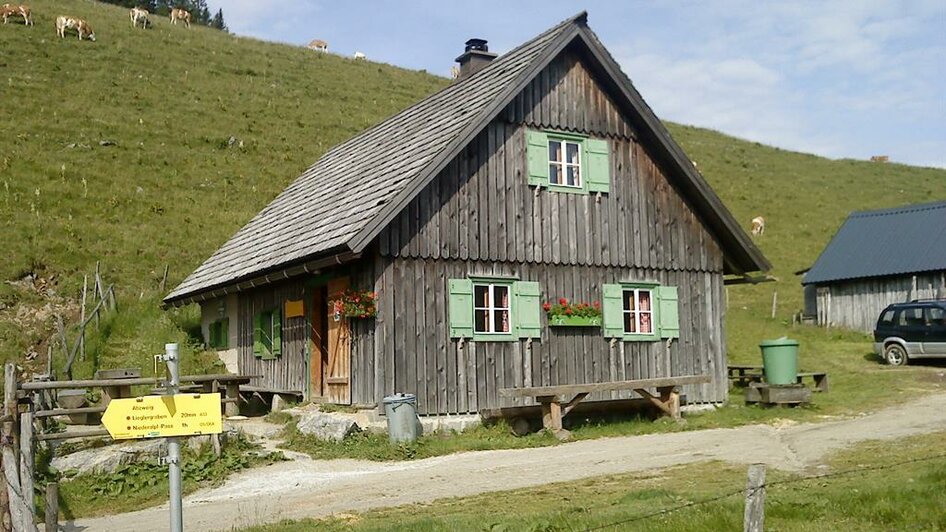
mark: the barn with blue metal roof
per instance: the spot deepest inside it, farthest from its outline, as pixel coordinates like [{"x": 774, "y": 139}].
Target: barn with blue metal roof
[{"x": 875, "y": 259}]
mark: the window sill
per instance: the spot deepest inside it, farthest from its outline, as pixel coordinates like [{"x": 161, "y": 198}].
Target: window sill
[{"x": 494, "y": 338}]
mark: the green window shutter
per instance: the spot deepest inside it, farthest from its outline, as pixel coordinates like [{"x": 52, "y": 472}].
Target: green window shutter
[
  {"x": 224, "y": 333},
  {"x": 613, "y": 310},
  {"x": 537, "y": 148},
  {"x": 277, "y": 333},
  {"x": 669, "y": 311},
  {"x": 461, "y": 308},
  {"x": 527, "y": 310},
  {"x": 258, "y": 335},
  {"x": 212, "y": 342},
  {"x": 597, "y": 165}
]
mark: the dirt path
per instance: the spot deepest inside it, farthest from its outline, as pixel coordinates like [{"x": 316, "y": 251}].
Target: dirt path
[{"x": 312, "y": 488}]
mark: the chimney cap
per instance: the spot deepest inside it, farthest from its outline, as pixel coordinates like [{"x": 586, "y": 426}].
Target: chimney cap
[{"x": 476, "y": 44}]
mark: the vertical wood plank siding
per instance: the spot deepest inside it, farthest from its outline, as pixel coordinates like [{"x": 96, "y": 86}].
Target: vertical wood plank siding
[
  {"x": 857, "y": 304},
  {"x": 562, "y": 356},
  {"x": 289, "y": 371},
  {"x": 480, "y": 217}
]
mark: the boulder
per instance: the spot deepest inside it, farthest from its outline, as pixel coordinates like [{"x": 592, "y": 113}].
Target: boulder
[
  {"x": 109, "y": 458},
  {"x": 325, "y": 426}
]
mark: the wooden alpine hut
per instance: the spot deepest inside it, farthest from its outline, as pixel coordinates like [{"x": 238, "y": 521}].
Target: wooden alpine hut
[{"x": 530, "y": 230}]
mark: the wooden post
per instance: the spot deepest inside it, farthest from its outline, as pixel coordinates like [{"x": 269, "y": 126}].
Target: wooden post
[
  {"x": 754, "y": 515},
  {"x": 52, "y": 507},
  {"x": 774, "y": 303},
  {"x": 27, "y": 462},
  {"x": 164, "y": 278},
  {"x": 85, "y": 289},
  {"x": 232, "y": 408},
  {"x": 11, "y": 429}
]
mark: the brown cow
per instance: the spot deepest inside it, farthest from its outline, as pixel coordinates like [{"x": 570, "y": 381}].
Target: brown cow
[
  {"x": 22, "y": 10},
  {"x": 82, "y": 27},
  {"x": 318, "y": 45},
  {"x": 182, "y": 15}
]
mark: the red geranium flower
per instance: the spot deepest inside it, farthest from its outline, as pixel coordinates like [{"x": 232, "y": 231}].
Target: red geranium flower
[
  {"x": 546, "y": 306},
  {"x": 562, "y": 301},
  {"x": 568, "y": 311}
]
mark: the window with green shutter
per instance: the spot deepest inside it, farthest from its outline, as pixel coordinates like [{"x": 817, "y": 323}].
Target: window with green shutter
[
  {"x": 219, "y": 334},
  {"x": 640, "y": 311},
  {"x": 267, "y": 335},
  {"x": 567, "y": 162},
  {"x": 494, "y": 309}
]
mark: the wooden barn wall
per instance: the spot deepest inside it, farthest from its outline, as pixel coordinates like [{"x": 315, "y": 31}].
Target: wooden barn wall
[
  {"x": 480, "y": 207},
  {"x": 413, "y": 351},
  {"x": 857, "y": 304},
  {"x": 289, "y": 371}
]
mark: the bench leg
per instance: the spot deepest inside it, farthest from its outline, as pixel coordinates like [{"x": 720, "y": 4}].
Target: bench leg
[
  {"x": 232, "y": 408},
  {"x": 668, "y": 401},
  {"x": 551, "y": 413}
]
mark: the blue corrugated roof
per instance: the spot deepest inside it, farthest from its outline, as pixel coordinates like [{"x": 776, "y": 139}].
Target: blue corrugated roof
[{"x": 887, "y": 242}]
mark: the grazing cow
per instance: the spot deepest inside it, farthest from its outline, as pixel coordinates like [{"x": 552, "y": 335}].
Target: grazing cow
[
  {"x": 360, "y": 56},
  {"x": 182, "y": 15},
  {"x": 22, "y": 10},
  {"x": 82, "y": 27},
  {"x": 880, "y": 158},
  {"x": 758, "y": 225},
  {"x": 318, "y": 45},
  {"x": 137, "y": 15}
]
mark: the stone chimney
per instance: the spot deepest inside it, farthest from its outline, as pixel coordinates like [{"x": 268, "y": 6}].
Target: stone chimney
[{"x": 475, "y": 56}]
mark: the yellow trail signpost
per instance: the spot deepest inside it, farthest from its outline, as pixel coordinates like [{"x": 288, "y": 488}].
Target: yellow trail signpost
[{"x": 163, "y": 416}]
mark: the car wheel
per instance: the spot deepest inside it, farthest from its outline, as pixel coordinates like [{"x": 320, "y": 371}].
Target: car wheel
[{"x": 895, "y": 355}]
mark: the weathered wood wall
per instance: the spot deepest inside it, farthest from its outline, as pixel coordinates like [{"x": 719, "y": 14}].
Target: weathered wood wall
[
  {"x": 857, "y": 304},
  {"x": 481, "y": 207},
  {"x": 412, "y": 352},
  {"x": 479, "y": 216},
  {"x": 289, "y": 371}
]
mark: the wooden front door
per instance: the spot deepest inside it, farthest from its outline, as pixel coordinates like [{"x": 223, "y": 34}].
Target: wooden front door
[
  {"x": 337, "y": 374},
  {"x": 319, "y": 352}
]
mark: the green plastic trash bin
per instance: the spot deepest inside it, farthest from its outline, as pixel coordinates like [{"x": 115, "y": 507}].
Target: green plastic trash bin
[
  {"x": 400, "y": 410},
  {"x": 780, "y": 360}
]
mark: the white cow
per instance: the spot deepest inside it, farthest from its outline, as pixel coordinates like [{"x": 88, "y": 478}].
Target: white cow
[
  {"x": 139, "y": 15},
  {"x": 758, "y": 225},
  {"x": 82, "y": 27},
  {"x": 182, "y": 15},
  {"x": 359, "y": 56}
]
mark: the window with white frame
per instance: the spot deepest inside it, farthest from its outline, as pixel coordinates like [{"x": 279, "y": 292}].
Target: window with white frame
[
  {"x": 564, "y": 163},
  {"x": 638, "y": 311},
  {"x": 491, "y": 308}
]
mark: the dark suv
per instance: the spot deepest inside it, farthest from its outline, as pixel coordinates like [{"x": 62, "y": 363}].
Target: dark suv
[{"x": 911, "y": 330}]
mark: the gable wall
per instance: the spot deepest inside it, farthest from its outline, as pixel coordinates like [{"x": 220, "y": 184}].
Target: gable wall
[{"x": 480, "y": 207}]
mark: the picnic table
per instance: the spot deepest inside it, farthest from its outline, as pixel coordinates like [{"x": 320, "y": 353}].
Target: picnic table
[
  {"x": 555, "y": 406},
  {"x": 743, "y": 375}
]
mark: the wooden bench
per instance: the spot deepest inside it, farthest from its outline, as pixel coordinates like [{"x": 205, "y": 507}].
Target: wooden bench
[
  {"x": 554, "y": 407},
  {"x": 744, "y": 375}
]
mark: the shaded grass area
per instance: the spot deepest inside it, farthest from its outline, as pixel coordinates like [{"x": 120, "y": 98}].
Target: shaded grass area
[
  {"x": 136, "y": 486},
  {"x": 897, "y": 497}
]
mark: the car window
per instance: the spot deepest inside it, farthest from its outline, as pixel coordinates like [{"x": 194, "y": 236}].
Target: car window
[
  {"x": 887, "y": 317},
  {"x": 936, "y": 316},
  {"x": 911, "y": 316}
]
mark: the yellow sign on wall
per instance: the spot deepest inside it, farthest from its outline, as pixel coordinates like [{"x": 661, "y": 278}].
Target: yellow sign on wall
[
  {"x": 295, "y": 309},
  {"x": 163, "y": 416}
]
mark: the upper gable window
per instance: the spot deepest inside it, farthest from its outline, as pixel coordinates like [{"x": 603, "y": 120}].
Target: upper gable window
[
  {"x": 564, "y": 163},
  {"x": 568, "y": 162}
]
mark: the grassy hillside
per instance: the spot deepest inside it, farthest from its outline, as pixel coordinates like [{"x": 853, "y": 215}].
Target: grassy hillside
[
  {"x": 173, "y": 186},
  {"x": 151, "y": 147}
]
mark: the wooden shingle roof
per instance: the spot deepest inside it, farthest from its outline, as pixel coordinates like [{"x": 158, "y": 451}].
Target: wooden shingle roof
[{"x": 340, "y": 203}]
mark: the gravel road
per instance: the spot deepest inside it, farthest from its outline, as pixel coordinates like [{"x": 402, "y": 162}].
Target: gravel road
[{"x": 313, "y": 488}]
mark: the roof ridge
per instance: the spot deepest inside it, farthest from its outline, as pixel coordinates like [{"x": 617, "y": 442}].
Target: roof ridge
[{"x": 903, "y": 209}]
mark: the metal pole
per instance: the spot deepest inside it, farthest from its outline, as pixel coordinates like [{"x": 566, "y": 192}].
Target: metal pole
[{"x": 174, "y": 444}]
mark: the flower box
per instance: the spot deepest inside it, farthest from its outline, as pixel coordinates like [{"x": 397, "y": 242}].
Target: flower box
[
  {"x": 574, "y": 321},
  {"x": 354, "y": 304}
]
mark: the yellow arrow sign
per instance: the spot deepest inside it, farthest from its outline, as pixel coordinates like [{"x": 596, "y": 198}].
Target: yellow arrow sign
[{"x": 162, "y": 416}]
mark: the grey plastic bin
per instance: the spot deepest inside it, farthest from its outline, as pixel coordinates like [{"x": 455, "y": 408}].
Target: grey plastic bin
[{"x": 400, "y": 410}]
